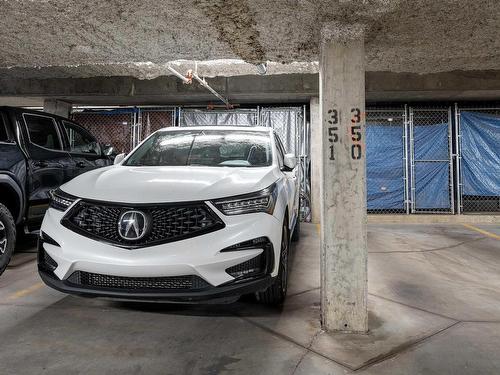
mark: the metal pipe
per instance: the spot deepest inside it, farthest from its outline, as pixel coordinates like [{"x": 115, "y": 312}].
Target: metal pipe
[
  {"x": 207, "y": 86},
  {"x": 179, "y": 75}
]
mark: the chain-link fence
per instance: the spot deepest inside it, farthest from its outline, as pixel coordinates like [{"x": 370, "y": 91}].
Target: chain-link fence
[
  {"x": 153, "y": 119},
  {"x": 431, "y": 156},
  {"x": 112, "y": 127},
  {"x": 478, "y": 145},
  {"x": 387, "y": 161},
  {"x": 124, "y": 128},
  {"x": 204, "y": 117}
]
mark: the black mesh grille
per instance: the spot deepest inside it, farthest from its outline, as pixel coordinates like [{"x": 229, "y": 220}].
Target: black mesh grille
[
  {"x": 50, "y": 263},
  {"x": 251, "y": 267},
  {"x": 166, "y": 222},
  {"x": 95, "y": 280}
]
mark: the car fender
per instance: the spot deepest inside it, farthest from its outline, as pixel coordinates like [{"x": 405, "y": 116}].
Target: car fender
[{"x": 7, "y": 180}]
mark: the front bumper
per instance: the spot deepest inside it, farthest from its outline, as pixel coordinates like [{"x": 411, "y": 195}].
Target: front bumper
[
  {"x": 198, "y": 256},
  {"x": 221, "y": 294}
]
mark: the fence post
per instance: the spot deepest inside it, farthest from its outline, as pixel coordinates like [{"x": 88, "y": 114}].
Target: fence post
[
  {"x": 458, "y": 159},
  {"x": 450, "y": 149}
]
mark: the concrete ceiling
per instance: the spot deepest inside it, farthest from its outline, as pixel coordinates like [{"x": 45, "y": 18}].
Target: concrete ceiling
[{"x": 69, "y": 38}]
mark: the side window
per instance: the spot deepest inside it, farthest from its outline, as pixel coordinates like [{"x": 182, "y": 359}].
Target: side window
[
  {"x": 42, "y": 131},
  {"x": 4, "y": 137},
  {"x": 80, "y": 141},
  {"x": 281, "y": 155}
]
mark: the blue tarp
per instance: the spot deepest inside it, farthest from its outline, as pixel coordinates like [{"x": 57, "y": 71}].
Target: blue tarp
[
  {"x": 480, "y": 151},
  {"x": 432, "y": 174},
  {"x": 384, "y": 167}
]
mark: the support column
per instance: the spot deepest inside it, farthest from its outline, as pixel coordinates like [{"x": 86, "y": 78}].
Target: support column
[
  {"x": 343, "y": 187},
  {"x": 316, "y": 152},
  {"x": 57, "y": 107}
]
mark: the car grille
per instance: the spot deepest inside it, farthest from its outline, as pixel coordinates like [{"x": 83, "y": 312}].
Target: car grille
[
  {"x": 95, "y": 280},
  {"x": 166, "y": 223}
]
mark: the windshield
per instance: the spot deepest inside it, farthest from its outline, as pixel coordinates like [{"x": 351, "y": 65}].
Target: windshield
[{"x": 211, "y": 148}]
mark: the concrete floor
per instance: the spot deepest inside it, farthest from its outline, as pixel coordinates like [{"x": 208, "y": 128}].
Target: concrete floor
[{"x": 434, "y": 301}]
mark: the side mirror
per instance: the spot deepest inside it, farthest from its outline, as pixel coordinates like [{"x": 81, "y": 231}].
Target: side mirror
[
  {"x": 108, "y": 150},
  {"x": 119, "y": 158},
  {"x": 290, "y": 162}
]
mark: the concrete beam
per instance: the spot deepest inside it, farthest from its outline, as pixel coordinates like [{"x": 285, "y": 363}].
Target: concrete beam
[
  {"x": 57, "y": 107},
  {"x": 280, "y": 88},
  {"x": 344, "y": 253}
]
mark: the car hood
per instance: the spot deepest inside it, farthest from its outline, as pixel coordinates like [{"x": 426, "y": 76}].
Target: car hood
[{"x": 168, "y": 184}]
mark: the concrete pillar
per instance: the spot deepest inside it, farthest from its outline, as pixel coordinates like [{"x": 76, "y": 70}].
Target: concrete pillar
[
  {"x": 343, "y": 188},
  {"x": 57, "y": 107},
  {"x": 316, "y": 152}
]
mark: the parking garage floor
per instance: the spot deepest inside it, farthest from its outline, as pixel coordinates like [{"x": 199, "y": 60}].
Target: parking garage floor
[{"x": 434, "y": 301}]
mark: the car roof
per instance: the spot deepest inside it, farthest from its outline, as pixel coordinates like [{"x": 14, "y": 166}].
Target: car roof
[{"x": 262, "y": 129}]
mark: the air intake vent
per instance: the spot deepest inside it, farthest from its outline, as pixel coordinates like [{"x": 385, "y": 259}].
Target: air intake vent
[{"x": 177, "y": 283}]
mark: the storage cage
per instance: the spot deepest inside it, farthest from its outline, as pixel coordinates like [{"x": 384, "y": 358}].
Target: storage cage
[
  {"x": 478, "y": 145},
  {"x": 387, "y": 160}
]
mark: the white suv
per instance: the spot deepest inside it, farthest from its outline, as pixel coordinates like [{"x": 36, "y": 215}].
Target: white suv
[{"x": 192, "y": 214}]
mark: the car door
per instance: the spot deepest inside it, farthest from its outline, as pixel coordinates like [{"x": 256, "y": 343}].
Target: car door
[
  {"x": 49, "y": 165},
  {"x": 83, "y": 148},
  {"x": 291, "y": 182}
]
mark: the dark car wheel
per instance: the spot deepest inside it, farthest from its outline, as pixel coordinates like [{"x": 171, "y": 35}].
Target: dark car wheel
[
  {"x": 276, "y": 293},
  {"x": 7, "y": 237}
]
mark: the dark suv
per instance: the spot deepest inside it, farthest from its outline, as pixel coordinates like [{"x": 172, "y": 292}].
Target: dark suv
[{"x": 38, "y": 153}]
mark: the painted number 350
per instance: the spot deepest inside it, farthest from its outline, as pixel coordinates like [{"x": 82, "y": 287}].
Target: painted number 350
[{"x": 356, "y": 134}]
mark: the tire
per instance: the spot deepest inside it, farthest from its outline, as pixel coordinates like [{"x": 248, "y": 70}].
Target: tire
[
  {"x": 7, "y": 237},
  {"x": 296, "y": 231},
  {"x": 276, "y": 293}
]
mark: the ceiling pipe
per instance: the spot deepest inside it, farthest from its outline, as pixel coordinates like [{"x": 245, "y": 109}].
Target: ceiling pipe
[
  {"x": 204, "y": 83},
  {"x": 188, "y": 79},
  {"x": 179, "y": 75}
]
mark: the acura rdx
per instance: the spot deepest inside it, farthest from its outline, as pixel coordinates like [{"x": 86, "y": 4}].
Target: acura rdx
[{"x": 190, "y": 215}]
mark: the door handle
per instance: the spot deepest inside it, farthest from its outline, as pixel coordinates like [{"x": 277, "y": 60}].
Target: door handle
[
  {"x": 41, "y": 164},
  {"x": 80, "y": 164}
]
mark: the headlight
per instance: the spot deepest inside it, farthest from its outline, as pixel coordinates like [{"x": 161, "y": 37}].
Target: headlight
[
  {"x": 261, "y": 201},
  {"x": 60, "y": 200}
]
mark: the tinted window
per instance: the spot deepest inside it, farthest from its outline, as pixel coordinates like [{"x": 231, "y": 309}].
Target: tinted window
[
  {"x": 206, "y": 148},
  {"x": 42, "y": 131},
  {"x": 3, "y": 130},
  {"x": 80, "y": 141}
]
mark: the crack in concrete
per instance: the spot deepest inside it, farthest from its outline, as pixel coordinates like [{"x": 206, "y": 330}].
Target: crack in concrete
[
  {"x": 307, "y": 351},
  {"x": 403, "y": 348},
  {"x": 426, "y": 250}
]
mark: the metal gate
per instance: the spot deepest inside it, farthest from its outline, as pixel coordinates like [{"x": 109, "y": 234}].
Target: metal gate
[
  {"x": 431, "y": 171},
  {"x": 477, "y": 166},
  {"x": 387, "y": 160}
]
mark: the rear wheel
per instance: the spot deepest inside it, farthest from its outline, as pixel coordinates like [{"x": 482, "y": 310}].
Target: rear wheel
[
  {"x": 276, "y": 293},
  {"x": 7, "y": 237}
]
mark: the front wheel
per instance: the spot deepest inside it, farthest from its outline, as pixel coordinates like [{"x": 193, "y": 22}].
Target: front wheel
[
  {"x": 276, "y": 293},
  {"x": 7, "y": 237}
]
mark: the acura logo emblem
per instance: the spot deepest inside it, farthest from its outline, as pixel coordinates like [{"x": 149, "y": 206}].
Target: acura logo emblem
[{"x": 132, "y": 225}]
